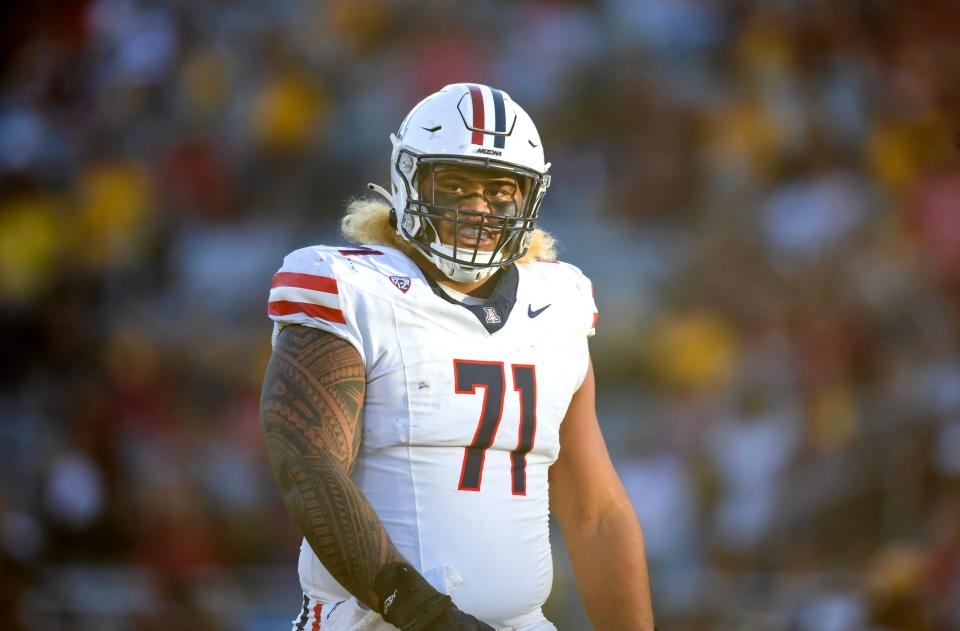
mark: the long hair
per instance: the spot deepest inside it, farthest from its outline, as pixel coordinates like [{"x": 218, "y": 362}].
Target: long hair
[{"x": 368, "y": 221}]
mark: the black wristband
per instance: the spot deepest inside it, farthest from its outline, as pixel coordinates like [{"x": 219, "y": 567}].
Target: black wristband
[{"x": 406, "y": 599}]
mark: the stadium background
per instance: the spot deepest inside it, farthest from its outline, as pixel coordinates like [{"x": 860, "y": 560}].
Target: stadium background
[{"x": 766, "y": 194}]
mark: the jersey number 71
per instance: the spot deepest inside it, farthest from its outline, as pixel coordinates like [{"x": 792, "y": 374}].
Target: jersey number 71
[{"x": 470, "y": 375}]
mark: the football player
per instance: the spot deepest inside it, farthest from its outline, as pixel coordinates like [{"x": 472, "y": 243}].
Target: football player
[{"x": 430, "y": 398}]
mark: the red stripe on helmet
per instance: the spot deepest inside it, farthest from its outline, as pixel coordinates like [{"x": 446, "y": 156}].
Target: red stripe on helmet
[{"x": 476, "y": 99}]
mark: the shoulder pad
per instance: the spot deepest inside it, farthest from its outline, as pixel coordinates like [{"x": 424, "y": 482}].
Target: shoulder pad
[
  {"x": 580, "y": 288},
  {"x": 306, "y": 290}
]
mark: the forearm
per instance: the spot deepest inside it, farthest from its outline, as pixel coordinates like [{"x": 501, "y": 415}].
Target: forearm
[
  {"x": 310, "y": 414},
  {"x": 339, "y": 524},
  {"x": 610, "y": 567}
]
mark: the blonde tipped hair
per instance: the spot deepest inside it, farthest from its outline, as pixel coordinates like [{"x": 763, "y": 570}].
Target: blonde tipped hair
[{"x": 368, "y": 221}]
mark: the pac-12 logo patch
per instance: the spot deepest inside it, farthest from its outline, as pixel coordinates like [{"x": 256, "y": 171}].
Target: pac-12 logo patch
[
  {"x": 402, "y": 282},
  {"x": 491, "y": 315}
]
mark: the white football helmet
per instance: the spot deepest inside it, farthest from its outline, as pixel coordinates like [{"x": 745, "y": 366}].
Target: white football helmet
[{"x": 479, "y": 130}]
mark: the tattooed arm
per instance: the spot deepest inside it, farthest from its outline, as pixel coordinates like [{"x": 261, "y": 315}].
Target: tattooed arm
[{"x": 310, "y": 413}]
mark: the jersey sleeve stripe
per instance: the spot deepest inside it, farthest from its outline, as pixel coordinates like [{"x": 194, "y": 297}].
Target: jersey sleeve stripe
[
  {"x": 296, "y": 294},
  {"x": 285, "y": 308},
  {"x": 305, "y": 281}
]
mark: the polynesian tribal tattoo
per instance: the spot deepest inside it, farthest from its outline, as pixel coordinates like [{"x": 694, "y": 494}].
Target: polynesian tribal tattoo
[{"x": 310, "y": 414}]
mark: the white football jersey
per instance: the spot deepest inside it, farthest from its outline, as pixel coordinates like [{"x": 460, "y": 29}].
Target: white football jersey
[{"x": 462, "y": 413}]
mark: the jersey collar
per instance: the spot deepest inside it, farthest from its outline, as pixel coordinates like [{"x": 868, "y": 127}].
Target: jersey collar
[{"x": 494, "y": 311}]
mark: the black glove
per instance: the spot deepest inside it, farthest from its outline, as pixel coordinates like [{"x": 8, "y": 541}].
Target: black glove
[{"x": 410, "y": 603}]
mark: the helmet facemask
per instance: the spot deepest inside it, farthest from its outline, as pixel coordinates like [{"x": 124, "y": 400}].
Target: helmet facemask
[{"x": 469, "y": 216}]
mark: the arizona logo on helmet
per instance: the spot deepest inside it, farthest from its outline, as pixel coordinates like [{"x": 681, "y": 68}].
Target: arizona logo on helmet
[{"x": 484, "y": 113}]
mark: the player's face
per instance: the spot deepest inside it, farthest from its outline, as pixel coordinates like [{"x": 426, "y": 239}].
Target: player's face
[{"x": 480, "y": 198}]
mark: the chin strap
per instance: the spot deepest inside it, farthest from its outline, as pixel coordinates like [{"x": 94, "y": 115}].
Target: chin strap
[
  {"x": 462, "y": 273},
  {"x": 376, "y": 188}
]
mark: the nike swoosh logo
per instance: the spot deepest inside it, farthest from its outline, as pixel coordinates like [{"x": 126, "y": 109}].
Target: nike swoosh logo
[{"x": 533, "y": 314}]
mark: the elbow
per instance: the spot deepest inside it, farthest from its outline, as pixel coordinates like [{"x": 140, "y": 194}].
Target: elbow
[{"x": 612, "y": 520}]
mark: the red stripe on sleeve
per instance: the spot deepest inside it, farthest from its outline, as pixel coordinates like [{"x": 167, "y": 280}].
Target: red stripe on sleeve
[
  {"x": 305, "y": 281},
  {"x": 594, "y": 325},
  {"x": 317, "y": 609},
  {"x": 476, "y": 98},
  {"x": 284, "y": 308}
]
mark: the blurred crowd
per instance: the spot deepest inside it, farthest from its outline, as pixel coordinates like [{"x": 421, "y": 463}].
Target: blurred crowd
[{"x": 766, "y": 195}]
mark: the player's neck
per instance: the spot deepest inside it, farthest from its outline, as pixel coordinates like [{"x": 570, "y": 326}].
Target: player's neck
[{"x": 480, "y": 289}]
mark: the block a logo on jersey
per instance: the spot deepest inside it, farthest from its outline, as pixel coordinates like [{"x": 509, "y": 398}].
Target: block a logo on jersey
[
  {"x": 401, "y": 282},
  {"x": 491, "y": 315}
]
